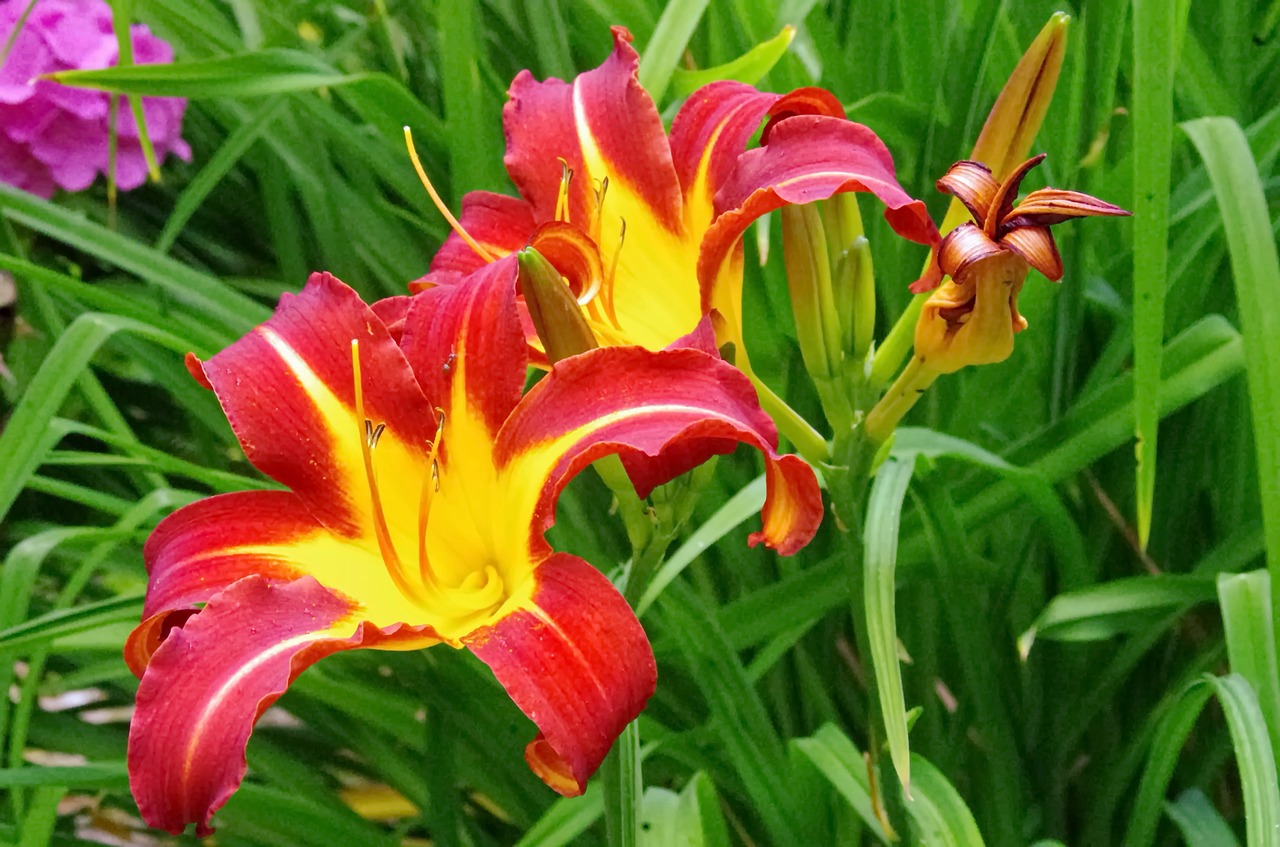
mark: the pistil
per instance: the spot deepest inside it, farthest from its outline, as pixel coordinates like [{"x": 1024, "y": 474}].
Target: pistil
[{"x": 435, "y": 198}]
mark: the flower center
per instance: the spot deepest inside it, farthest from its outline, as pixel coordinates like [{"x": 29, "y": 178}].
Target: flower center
[{"x": 452, "y": 609}]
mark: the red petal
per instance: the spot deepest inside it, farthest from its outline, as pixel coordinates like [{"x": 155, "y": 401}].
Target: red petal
[
  {"x": 469, "y": 336},
  {"x": 613, "y": 115},
  {"x": 973, "y": 185},
  {"x": 809, "y": 100},
  {"x": 392, "y": 311},
  {"x": 288, "y": 390},
  {"x": 209, "y": 682},
  {"x": 191, "y": 556},
  {"x": 708, "y": 134},
  {"x": 500, "y": 223},
  {"x": 1035, "y": 244},
  {"x": 577, "y": 662},
  {"x": 572, "y": 252},
  {"x": 664, "y": 412},
  {"x": 809, "y": 158}
]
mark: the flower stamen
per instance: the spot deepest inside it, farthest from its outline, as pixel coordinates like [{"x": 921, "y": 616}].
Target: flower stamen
[
  {"x": 606, "y": 297},
  {"x": 430, "y": 485},
  {"x": 390, "y": 559},
  {"x": 435, "y": 198},
  {"x": 598, "y": 215},
  {"x": 562, "y": 196}
]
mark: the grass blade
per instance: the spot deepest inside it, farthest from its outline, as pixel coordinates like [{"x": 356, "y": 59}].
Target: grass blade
[
  {"x": 1253, "y": 757},
  {"x": 1113, "y": 608},
  {"x": 940, "y": 814},
  {"x": 660, "y": 56},
  {"x": 273, "y": 71},
  {"x": 884, "y": 514},
  {"x": 1199, "y": 821},
  {"x": 1256, "y": 269},
  {"x": 1251, "y": 646},
  {"x": 1156, "y": 31},
  {"x": 750, "y": 67}
]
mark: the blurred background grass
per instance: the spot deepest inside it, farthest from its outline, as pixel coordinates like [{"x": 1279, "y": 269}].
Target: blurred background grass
[{"x": 1057, "y": 665}]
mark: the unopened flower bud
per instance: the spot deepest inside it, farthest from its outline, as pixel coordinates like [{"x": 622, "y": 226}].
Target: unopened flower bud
[
  {"x": 555, "y": 312},
  {"x": 808, "y": 261}
]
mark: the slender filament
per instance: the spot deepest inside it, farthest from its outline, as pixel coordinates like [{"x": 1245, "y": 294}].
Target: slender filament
[
  {"x": 435, "y": 198},
  {"x": 390, "y": 559},
  {"x": 430, "y": 485}
]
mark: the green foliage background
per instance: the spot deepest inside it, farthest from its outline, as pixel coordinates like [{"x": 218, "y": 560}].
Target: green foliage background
[{"x": 1057, "y": 669}]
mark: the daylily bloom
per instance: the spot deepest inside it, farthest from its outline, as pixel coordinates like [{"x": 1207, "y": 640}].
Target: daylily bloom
[
  {"x": 972, "y": 317},
  {"x": 664, "y": 214},
  {"x": 420, "y": 485}
]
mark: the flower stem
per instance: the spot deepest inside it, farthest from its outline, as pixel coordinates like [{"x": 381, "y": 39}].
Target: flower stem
[
  {"x": 906, "y": 390},
  {"x": 623, "y": 789},
  {"x": 807, "y": 441},
  {"x": 897, "y": 344}
]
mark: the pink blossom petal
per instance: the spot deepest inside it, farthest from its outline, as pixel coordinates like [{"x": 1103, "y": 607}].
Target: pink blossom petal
[
  {"x": 27, "y": 60},
  {"x": 75, "y": 151},
  {"x": 23, "y": 122}
]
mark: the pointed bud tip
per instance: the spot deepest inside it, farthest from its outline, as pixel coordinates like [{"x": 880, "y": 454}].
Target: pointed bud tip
[{"x": 555, "y": 312}]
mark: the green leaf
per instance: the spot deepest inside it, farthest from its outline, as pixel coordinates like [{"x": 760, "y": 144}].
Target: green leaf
[
  {"x": 880, "y": 546},
  {"x": 221, "y": 306},
  {"x": 1251, "y": 646},
  {"x": 566, "y": 819},
  {"x": 272, "y": 71},
  {"x": 836, "y": 757},
  {"x": 27, "y": 437},
  {"x": 475, "y": 130},
  {"x": 102, "y": 776},
  {"x": 219, "y": 165},
  {"x": 750, "y": 67},
  {"x": 1157, "y": 30},
  {"x": 121, "y": 16},
  {"x": 1202, "y": 357},
  {"x": 742, "y": 725},
  {"x": 58, "y": 624},
  {"x": 689, "y": 819},
  {"x": 1256, "y": 269},
  {"x": 937, "y": 810},
  {"x": 661, "y": 55},
  {"x": 1113, "y": 608},
  {"x": 1199, "y": 821},
  {"x": 1252, "y": 747},
  {"x": 41, "y": 815}
]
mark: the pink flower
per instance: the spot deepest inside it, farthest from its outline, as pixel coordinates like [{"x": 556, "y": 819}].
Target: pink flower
[{"x": 52, "y": 135}]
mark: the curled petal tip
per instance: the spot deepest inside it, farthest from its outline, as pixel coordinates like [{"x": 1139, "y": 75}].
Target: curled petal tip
[
  {"x": 1054, "y": 205},
  {"x": 195, "y": 367},
  {"x": 973, "y": 185},
  {"x": 1036, "y": 245}
]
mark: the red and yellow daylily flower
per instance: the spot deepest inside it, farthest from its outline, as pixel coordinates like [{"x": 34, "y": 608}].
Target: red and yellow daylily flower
[
  {"x": 664, "y": 214},
  {"x": 420, "y": 484}
]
